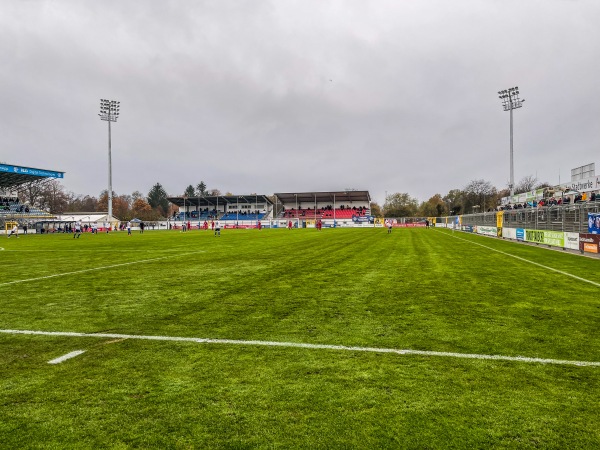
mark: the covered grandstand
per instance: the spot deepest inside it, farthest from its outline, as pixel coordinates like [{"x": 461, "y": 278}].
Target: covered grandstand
[
  {"x": 304, "y": 209},
  {"x": 12, "y": 210},
  {"x": 250, "y": 207},
  {"x": 335, "y": 208}
]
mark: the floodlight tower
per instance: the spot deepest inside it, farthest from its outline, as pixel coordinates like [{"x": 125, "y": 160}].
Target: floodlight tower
[
  {"x": 510, "y": 100},
  {"x": 109, "y": 111}
]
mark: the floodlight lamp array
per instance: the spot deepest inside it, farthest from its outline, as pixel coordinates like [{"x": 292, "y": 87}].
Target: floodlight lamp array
[
  {"x": 109, "y": 110},
  {"x": 510, "y": 98}
]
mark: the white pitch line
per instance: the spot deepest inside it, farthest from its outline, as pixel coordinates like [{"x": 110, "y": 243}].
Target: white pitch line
[
  {"x": 524, "y": 359},
  {"x": 527, "y": 261},
  {"x": 65, "y": 357},
  {"x": 96, "y": 268}
]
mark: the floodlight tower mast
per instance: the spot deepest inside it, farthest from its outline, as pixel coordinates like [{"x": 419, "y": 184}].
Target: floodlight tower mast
[
  {"x": 510, "y": 100},
  {"x": 109, "y": 111}
]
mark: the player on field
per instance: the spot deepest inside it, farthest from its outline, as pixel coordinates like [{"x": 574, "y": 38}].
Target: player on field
[
  {"x": 77, "y": 230},
  {"x": 388, "y": 224},
  {"x": 15, "y": 231}
]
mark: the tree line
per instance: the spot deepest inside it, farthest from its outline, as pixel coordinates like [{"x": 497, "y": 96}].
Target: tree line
[
  {"x": 50, "y": 195},
  {"x": 476, "y": 196}
]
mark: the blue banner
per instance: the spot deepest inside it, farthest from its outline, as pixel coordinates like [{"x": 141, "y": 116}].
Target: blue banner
[
  {"x": 29, "y": 171},
  {"x": 520, "y": 234},
  {"x": 361, "y": 219},
  {"x": 594, "y": 223}
]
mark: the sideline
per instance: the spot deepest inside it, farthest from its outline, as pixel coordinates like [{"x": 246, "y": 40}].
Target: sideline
[
  {"x": 525, "y": 260},
  {"x": 522, "y": 359},
  {"x": 98, "y": 268}
]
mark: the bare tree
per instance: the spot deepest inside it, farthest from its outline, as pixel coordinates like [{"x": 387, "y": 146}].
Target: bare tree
[
  {"x": 31, "y": 192},
  {"x": 481, "y": 194},
  {"x": 526, "y": 184}
]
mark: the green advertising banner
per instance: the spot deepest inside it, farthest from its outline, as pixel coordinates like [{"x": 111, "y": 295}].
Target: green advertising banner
[{"x": 554, "y": 238}]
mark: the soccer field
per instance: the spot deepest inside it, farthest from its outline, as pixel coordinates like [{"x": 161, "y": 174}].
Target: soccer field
[{"x": 348, "y": 338}]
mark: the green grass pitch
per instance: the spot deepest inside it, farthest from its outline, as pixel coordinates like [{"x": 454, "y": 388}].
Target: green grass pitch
[{"x": 415, "y": 289}]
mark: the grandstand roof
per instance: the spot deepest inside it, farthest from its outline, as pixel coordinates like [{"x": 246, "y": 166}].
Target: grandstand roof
[
  {"x": 214, "y": 200},
  {"x": 334, "y": 196},
  {"x": 13, "y": 176}
]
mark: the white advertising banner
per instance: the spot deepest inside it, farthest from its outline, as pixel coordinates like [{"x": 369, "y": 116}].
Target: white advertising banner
[
  {"x": 583, "y": 185},
  {"x": 509, "y": 233},
  {"x": 487, "y": 231},
  {"x": 572, "y": 241}
]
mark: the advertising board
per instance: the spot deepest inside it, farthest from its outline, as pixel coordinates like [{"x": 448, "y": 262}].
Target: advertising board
[
  {"x": 487, "y": 231},
  {"x": 572, "y": 241},
  {"x": 589, "y": 242},
  {"x": 520, "y": 234},
  {"x": 594, "y": 223},
  {"x": 509, "y": 233},
  {"x": 553, "y": 238}
]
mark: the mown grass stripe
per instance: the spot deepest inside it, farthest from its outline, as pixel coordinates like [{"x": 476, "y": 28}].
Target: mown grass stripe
[
  {"x": 523, "y": 359},
  {"x": 112, "y": 266},
  {"x": 528, "y": 261}
]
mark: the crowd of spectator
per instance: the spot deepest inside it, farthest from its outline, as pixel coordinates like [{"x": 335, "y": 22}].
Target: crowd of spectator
[
  {"x": 552, "y": 201},
  {"x": 12, "y": 204},
  {"x": 325, "y": 211}
]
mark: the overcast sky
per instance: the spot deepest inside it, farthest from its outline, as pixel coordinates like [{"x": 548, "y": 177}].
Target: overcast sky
[{"x": 297, "y": 96}]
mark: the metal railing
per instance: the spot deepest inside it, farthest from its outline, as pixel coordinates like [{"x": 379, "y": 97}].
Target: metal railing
[{"x": 569, "y": 218}]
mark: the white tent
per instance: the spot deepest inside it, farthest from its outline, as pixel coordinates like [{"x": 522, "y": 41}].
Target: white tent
[{"x": 101, "y": 219}]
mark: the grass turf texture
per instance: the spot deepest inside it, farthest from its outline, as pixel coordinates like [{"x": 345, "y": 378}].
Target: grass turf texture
[{"x": 415, "y": 289}]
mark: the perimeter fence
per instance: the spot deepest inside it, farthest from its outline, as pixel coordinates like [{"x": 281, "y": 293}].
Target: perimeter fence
[
  {"x": 568, "y": 218},
  {"x": 575, "y": 226}
]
